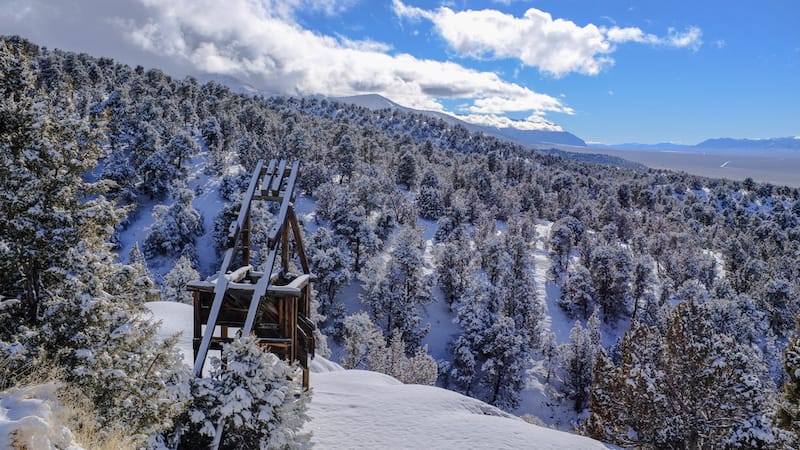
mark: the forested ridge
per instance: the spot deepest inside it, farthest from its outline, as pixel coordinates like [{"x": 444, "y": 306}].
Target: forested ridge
[{"x": 700, "y": 276}]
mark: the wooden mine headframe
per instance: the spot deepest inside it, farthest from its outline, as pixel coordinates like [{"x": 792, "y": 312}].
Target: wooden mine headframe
[{"x": 272, "y": 305}]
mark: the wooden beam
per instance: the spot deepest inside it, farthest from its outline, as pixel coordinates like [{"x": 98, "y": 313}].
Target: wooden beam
[
  {"x": 276, "y": 182},
  {"x": 219, "y": 295},
  {"x": 281, "y": 220},
  {"x": 267, "y": 182},
  {"x": 298, "y": 240}
]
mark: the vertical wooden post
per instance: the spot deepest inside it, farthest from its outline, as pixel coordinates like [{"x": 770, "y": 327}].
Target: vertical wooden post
[
  {"x": 197, "y": 324},
  {"x": 246, "y": 237},
  {"x": 285, "y": 248}
]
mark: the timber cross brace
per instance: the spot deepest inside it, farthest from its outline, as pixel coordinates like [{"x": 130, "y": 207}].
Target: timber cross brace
[{"x": 274, "y": 307}]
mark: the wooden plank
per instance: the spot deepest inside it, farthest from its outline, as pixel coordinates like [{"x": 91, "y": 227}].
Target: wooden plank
[
  {"x": 287, "y": 200},
  {"x": 258, "y": 293},
  {"x": 222, "y": 282},
  {"x": 219, "y": 295},
  {"x": 276, "y": 182},
  {"x": 267, "y": 182},
  {"x": 244, "y": 211}
]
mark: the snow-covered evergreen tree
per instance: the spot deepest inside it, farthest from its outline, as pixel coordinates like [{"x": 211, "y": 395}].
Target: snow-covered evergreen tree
[
  {"x": 407, "y": 170},
  {"x": 174, "y": 227},
  {"x": 577, "y": 297},
  {"x": 395, "y": 289},
  {"x": 330, "y": 261},
  {"x": 692, "y": 388},
  {"x": 391, "y": 359},
  {"x": 462, "y": 369},
  {"x": 504, "y": 365},
  {"x": 577, "y": 362},
  {"x": 175, "y": 281},
  {"x": 788, "y": 408},
  {"x": 45, "y": 149},
  {"x": 133, "y": 279},
  {"x": 611, "y": 270},
  {"x": 361, "y": 336},
  {"x": 453, "y": 261},
  {"x": 429, "y": 201}
]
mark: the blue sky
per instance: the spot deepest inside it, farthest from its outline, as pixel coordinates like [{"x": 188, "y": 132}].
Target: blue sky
[{"x": 607, "y": 71}]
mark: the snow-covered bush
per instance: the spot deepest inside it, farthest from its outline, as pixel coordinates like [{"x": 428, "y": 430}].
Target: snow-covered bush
[{"x": 255, "y": 398}]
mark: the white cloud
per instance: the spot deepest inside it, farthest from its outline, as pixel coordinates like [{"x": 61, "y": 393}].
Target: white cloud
[
  {"x": 533, "y": 122},
  {"x": 260, "y": 44},
  {"x": 555, "y": 46}
]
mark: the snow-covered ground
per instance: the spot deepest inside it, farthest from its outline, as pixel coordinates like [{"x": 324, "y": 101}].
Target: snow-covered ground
[{"x": 359, "y": 409}]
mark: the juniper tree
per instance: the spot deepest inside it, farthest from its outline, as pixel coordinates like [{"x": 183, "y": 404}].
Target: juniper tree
[
  {"x": 330, "y": 261},
  {"x": 391, "y": 359},
  {"x": 429, "y": 201},
  {"x": 407, "y": 170},
  {"x": 505, "y": 360},
  {"x": 361, "y": 336},
  {"x": 611, "y": 270},
  {"x": 577, "y": 293}
]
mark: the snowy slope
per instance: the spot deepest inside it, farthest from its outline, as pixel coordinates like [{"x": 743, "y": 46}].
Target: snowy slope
[{"x": 359, "y": 409}]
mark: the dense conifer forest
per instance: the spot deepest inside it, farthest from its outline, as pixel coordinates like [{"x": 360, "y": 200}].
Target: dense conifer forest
[{"x": 699, "y": 277}]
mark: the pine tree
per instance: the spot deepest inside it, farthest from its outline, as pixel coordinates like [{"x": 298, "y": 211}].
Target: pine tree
[
  {"x": 429, "y": 201},
  {"x": 692, "y": 388},
  {"x": 95, "y": 330},
  {"x": 577, "y": 297},
  {"x": 452, "y": 267},
  {"x": 392, "y": 360},
  {"x": 504, "y": 363},
  {"x": 330, "y": 261},
  {"x": 174, "y": 288},
  {"x": 407, "y": 170},
  {"x": 610, "y": 268},
  {"x": 45, "y": 149},
  {"x": 462, "y": 369},
  {"x": 577, "y": 361},
  {"x": 133, "y": 279},
  {"x": 395, "y": 289},
  {"x": 519, "y": 294}
]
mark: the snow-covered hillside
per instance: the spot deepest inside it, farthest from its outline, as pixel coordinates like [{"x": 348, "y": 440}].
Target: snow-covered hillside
[{"x": 360, "y": 409}]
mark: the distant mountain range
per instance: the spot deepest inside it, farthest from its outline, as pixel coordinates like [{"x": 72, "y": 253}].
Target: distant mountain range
[
  {"x": 522, "y": 137},
  {"x": 529, "y": 138},
  {"x": 782, "y": 143}
]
